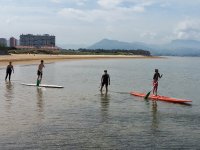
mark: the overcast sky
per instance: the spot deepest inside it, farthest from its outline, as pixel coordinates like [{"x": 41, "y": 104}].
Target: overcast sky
[{"x": 89, "y": 21}]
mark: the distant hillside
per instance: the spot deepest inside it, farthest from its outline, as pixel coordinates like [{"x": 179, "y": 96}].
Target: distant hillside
[
  {"x": 115, "y": 52},
  {"x": 114, "y": 44},
  {"x": 175, "y": 47}
]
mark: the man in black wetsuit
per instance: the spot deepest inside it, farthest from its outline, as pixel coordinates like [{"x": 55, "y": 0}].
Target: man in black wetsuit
[
  {"x": 105, "y": 80},
  {"x": 9, "y": 70}
]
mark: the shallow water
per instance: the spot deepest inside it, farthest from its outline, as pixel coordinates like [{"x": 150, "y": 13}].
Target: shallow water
[{"x": 79, "y": 117}]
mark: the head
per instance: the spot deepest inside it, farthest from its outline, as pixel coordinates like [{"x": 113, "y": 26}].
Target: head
[
  {"x": 105, "y": 71},
  {"x": 42, "y": 61},
  {"x": 156, "y": 70},
  {"x": 10, "y": 63}
]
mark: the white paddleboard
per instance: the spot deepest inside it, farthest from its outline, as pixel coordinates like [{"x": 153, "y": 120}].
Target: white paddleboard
[{"x": 43, "y": 85}]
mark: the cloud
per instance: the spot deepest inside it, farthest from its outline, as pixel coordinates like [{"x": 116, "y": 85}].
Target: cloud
[
  {"x": 72, "y": 13},
  {"x": 135, "y": 5},
  {"x": 76, "y": 2},
  {"x": 109, "y": 10},
  {"x": 109, "y": 3},
  {"x": 56, "y": 1},
  {"x": 80, "y": 2},
  {"x": 149, "y": 34},
  {"x": 98, "y": 14},
  {"x": 188, "y": 29},
  {"x": 138, "y": 9}
]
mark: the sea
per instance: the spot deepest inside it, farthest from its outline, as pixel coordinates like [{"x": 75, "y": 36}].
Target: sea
[{"x": 78, "y": 116}]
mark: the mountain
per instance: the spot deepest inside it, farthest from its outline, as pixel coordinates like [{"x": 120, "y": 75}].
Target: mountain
[
  {"x": 185, "y": 43},
  {"x": 176, "y": 47},
  {"x": 114, "y": 44}
]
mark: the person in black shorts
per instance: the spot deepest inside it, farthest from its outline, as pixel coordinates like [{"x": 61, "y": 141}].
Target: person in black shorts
[
  {"x": 39, "y": 72},
  {"x": 105, "y": 80},
  {"x": 9, "y": 71}
]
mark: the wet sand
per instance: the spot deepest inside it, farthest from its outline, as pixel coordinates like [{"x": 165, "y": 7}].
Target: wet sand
[{"x": 34, "y": 58}]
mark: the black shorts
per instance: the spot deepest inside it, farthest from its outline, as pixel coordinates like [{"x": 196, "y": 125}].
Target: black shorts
[
  {"x": 39, "y": 73},
  {"x": 104, "y": 83},
  {"x": 8, "y": 71}
]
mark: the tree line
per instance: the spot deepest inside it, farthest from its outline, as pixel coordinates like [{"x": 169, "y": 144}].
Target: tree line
[{"x": 117, "y": 51}]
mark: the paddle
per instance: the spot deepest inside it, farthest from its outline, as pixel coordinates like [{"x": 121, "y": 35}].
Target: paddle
[{"x": 147, "y": 95}]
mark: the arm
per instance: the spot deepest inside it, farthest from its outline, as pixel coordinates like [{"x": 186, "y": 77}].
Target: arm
[
  {"x": 160, "y": 76},
  {"x": 109, "y": 79}
]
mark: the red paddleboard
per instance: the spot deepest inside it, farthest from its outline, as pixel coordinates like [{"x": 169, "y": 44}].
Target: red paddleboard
[{"x": 161, "y": 98}]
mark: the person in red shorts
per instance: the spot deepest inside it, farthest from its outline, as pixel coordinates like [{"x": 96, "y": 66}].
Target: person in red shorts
[{"x": 155, "y": 81}]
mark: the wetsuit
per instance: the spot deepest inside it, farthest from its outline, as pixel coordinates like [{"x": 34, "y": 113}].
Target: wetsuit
[
  {"x": 105, "y": 79},
  {"x": 9, "y": 71}
]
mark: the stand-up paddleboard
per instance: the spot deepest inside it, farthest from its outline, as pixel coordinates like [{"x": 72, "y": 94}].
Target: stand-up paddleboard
[
  {"x": 43, "y": 85},
  {"x": 161, "y": 98}
]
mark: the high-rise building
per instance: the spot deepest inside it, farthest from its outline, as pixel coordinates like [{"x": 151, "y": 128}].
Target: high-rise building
[
  {"x": 3, "y": 42},
  {"x": 37, "y": 40},
  {"x": 13, "y": 42}
]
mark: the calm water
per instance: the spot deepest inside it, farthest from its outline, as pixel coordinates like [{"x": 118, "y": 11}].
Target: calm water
[{"x": 79, "y": 117}]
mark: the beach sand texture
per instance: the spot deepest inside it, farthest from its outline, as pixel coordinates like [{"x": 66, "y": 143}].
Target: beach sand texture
[{"x": 34, "y": 58}]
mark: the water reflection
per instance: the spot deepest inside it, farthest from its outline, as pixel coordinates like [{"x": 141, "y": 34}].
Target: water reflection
[
  {"x": 155, "y": 122},
  {"x": 40, "y": 102},
  {"x": 8, "y": 94},
  {"x": 105, "y": 99}
]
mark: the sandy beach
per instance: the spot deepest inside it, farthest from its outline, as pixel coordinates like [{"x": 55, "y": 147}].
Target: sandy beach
[{"x": 35, "y": 58}]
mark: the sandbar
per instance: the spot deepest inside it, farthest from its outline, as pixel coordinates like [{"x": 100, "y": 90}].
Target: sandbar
[{"x": 24, "y": 59}]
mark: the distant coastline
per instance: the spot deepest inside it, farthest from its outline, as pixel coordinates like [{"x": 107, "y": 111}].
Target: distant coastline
[{"x": 35, "y": 58}]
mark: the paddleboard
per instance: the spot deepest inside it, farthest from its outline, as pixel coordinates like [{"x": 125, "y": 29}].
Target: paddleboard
[
  {"x": 43, "y": 85},
  {"x": 161, "y": 98}
]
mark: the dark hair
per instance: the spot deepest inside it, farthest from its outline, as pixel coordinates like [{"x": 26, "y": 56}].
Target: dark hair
[
  {"x": 105, "y": 70},
  {"x": 42, "y": 60},
  {"x": 156, "y": 70}
]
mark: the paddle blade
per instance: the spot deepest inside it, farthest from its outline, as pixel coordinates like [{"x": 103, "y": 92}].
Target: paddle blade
[{"x": 146, "y": 97}]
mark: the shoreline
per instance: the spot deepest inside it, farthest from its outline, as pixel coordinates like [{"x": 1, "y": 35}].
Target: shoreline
[{"x": 24, "y": 59}]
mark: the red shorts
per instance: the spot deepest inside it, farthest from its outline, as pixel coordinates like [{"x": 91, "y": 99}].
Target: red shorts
[{"x": 155, "y": 83}]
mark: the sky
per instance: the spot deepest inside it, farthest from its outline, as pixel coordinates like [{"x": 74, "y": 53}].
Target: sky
[{"x": 89, "y": 21}]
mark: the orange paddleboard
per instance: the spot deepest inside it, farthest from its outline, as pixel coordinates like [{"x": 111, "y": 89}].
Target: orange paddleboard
[{"x": 161, "y": 98}]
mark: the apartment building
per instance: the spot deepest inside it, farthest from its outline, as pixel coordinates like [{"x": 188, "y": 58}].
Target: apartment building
[{"x": 37, "y": 40}]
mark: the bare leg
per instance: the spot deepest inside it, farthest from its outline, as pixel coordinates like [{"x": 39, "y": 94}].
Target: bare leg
[
  {"x": 106, "y": 88},
  {"x": 101, "y": 88},
  {"x": 156, "y": 89}
]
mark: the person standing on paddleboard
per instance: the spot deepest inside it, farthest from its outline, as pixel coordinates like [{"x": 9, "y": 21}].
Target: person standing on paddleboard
[
  {"x": 105, "y": 80},
  {"x": 39, "y": 72},
  {"x": 155, "y": 81},
  {"x": 9, "y": 71}
]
